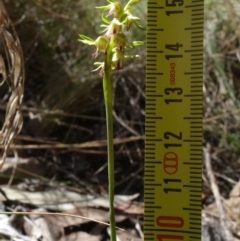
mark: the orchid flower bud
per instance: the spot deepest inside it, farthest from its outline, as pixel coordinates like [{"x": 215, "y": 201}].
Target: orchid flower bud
[
  {"x": 114, "y": 28},
  {"x": 101, "y": 45},
  {"x": 130, "y": 19},
  {"x": 116, "y": 9},
  {"x": 119, "y": 41},
  {"x": 117, "y": 58}
]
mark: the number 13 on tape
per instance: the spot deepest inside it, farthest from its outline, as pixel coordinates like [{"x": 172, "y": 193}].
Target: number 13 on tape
[{"x": 173, "y": 124}]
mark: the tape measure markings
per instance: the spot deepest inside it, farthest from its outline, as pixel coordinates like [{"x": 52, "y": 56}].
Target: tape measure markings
[{"x": 176, "y": 115}]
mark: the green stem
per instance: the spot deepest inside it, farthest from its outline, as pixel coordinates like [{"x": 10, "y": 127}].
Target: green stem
[{"x": 107, "y": 89}]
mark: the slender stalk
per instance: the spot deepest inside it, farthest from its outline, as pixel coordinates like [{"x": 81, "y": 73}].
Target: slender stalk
[
  {"x": 112, "y": 44},
  {"x": 107, "y": 89}
]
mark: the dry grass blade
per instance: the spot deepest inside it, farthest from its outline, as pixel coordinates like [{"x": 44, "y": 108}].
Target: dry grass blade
[
  {"x": 12, "y": 72},
  {"x": 58, "y": 214},
  {"x": 90, "y": 144},
  {"x": 224, "y": 222}
]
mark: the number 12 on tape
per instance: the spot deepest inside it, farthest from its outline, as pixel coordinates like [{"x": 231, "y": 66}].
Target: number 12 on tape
[{"x": 173, "y": 123}]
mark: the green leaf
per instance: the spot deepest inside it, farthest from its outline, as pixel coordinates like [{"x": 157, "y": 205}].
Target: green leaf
[
  {"x": 128, "y": 45},
  {"x": 104, "y": 8},
  {"x": 99, "y": 66},
  {"x": 135, "y": 18},
  {"x": 103, "y": 26},
  {"x": 84, "y": 37},
  {"x": 130, "y": 3},
  {"x": 137, "y": 43},
  {"x": 98, "y": 63},
  {"x": 111, "y": 1},
  {"x": 105, "y": 19},
  {"x": 134, "y": 43},
  {"x": 86, "y": 40},
  {"x": 131, "y": 56},
  {"x": 140, "y": 26}
]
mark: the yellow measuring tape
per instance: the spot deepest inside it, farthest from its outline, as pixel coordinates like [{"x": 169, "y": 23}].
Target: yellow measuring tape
[{"x": 173, "y": 125}]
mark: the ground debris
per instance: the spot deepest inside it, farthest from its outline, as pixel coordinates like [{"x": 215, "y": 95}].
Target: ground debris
[
  {"x": 78, "y": 217},
  {"x": 211, "y": 228}
]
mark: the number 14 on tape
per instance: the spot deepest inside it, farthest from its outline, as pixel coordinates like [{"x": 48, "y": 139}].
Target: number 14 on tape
[{"x": 173, "y": 125}]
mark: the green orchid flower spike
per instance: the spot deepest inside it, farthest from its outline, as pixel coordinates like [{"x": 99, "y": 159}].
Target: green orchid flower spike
[{"x": 112, "y": 45}]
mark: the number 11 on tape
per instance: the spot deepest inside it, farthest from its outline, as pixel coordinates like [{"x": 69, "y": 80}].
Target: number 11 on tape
[{"x": 173, "y": 123}]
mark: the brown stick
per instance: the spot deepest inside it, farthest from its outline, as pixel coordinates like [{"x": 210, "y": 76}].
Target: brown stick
[
  {"x": 222, "y": 215},
  {"x": 90, "y": 144}
]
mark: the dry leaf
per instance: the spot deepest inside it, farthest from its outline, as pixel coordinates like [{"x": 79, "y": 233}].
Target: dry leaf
[
  {"x": 12, "y": 70},
  {"x": 23, "y": 167},
  {"x": 41, "y": 228},
  {"x": 2, "y": 70},
  {"x": 80, "y": 236},
  {"x": 62, "y": 200},
  {"x": 93, "y": 213}
]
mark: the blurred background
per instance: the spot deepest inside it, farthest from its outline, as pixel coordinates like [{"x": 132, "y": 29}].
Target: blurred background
[
  {"x": 221, "y": 120},
  {"x": 63, "y": 102},
  {"x": 61, "y": 142},
  {"x": 63, "y": 99}
]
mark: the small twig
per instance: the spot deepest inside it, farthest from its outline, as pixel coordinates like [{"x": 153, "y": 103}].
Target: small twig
[
  {"x": 89, "y": 144},
  {"x": 225, "y": 178},
  {"x": 14, "y": 168},
  {"x": 222, "y": 215},
  {"x": 220, "y": 116},
  {"x": 124, "y": 124},
  {"x": 45, "y": 112},
  {"x": 57, "y": 214},
  {"x": 58, "y": 15}
]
